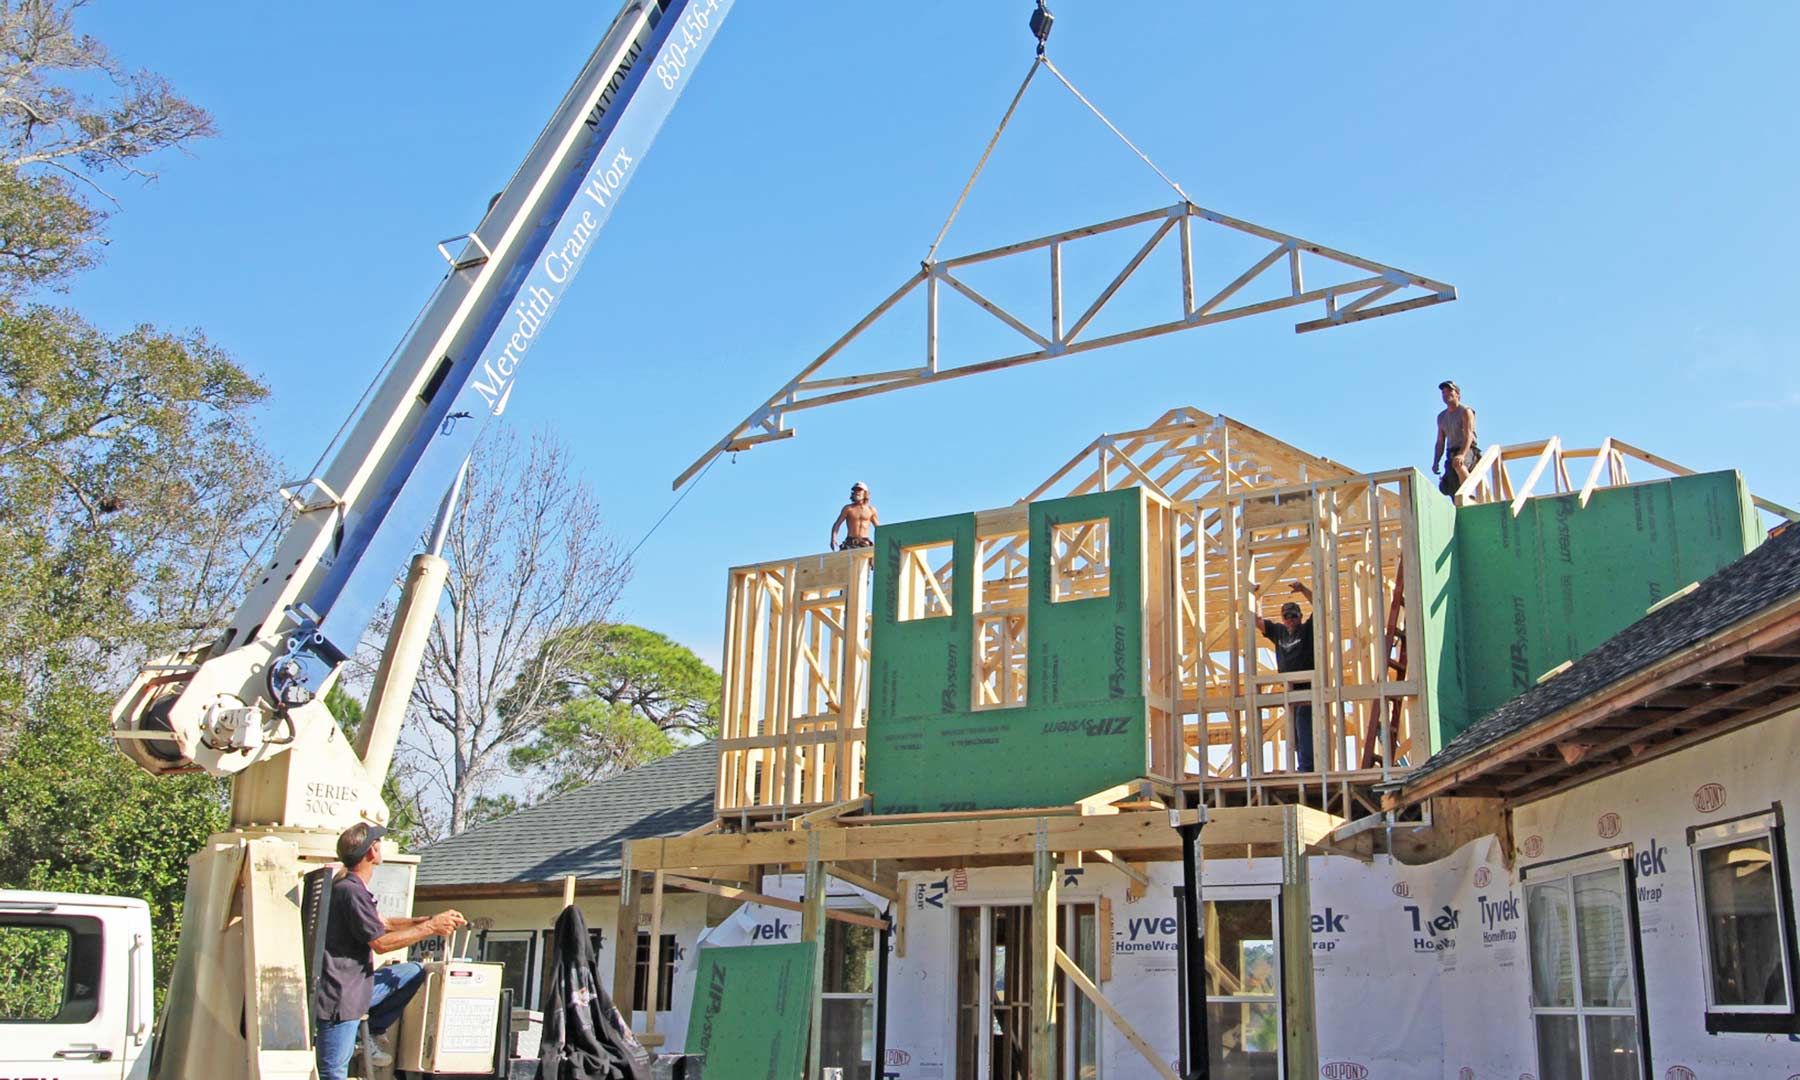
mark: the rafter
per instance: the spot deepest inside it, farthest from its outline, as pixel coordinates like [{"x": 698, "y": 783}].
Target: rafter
[{"x": 1359, "y": 289}]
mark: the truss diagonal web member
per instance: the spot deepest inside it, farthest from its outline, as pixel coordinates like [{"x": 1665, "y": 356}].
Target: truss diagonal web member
[{"x": 1337, "y": 286}]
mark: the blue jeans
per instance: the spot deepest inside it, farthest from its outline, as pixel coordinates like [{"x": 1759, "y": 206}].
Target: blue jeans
[
  {"x": 1303, "y": 743},
  {"x": 394, "y": 986}
]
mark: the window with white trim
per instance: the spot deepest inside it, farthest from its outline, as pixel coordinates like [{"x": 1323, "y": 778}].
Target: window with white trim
[
  {"x": 851, "y": 961},
  {"x": 1584, "y": 968},
  {"x": 1243, "y": 982},
  {"x": 516, "y": 953},
  {"x": 1746, "y": 930}
]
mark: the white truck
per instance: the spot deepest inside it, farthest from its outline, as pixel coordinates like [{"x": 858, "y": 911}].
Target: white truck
[{"x": 76, "y": 999}]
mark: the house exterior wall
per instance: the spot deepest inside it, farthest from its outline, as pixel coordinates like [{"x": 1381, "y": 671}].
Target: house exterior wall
[
  {"x": 1650, "y": 808},
  {"x": 684, "y": 916},
  {"x": 1085, "y": 686}
]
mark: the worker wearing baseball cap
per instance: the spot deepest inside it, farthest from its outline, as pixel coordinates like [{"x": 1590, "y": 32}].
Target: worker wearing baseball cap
[
  {"x": 858, "y": 517},
  {"x": 348, "y": 986},
  {"x": 1293, "y": 641},
  {"x": 1455, "y": 439}
]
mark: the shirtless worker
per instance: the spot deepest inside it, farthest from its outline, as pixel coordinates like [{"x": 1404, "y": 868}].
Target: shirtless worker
[
  {"x": 1455, "y": 440},
  {"x": 858, "y": 518}
]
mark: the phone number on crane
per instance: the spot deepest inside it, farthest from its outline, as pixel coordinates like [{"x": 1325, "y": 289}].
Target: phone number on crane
[{"x": 684, "y": 40}]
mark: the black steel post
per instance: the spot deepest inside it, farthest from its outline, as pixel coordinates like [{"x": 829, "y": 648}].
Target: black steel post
[
  {"x": 881, "y": 994},
  {"x": 1192, "y": 947}
]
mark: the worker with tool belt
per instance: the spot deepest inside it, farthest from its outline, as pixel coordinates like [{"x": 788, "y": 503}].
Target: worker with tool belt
[
  {"x": 858, "y": 517},
  {"x": 348, "y": 984}
]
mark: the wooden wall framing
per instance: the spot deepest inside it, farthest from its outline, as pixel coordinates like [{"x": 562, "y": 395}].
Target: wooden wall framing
[{"x": 795, "y": 700}]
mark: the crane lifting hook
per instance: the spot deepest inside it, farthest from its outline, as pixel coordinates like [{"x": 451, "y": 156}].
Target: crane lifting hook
[{"x": 1041, "y": 21}]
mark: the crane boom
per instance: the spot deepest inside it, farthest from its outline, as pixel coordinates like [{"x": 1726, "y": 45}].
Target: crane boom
[{"x": 240, "y": 700}]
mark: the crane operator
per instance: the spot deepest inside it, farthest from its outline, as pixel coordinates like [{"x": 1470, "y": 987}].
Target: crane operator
[{"x": 348, "y": 984}]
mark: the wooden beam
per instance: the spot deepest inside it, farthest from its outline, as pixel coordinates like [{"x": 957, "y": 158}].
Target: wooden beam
[
  {"x": 1043, "y": 955},
  {"x": 733, "y": 892},
  {"x": 1082, "y": 983},
  {"x": 1145, "y": 831},
  {"x": 625, "y": 937},
  {"x": 884, "y": 889},
  {"x": 812, "y": 928},
  {"x": 651, "y": 974}
]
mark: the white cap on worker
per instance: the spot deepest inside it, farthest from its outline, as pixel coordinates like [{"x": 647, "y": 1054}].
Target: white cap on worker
[{"x": 859, "y": 484}]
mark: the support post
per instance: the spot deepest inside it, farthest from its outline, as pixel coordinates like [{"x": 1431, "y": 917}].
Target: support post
[
  {"x": 653, "y": 969},
  {"x": 1043, "y": 956},
  {"x": 625, "y": 936},
  {"x": 812, "y": 928},
  {"x": 1197, "y": 1054},
  {"x": 1296, "y": 939}
]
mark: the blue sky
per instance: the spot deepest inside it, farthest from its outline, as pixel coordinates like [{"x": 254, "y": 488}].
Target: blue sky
[{"x": 1610, "y": 186}]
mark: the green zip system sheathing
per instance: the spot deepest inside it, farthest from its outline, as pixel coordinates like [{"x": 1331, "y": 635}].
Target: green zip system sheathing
[
  {"x": 1082, "y": 727},
  {"x": 1442, "y": 668},
  {"x": 752, "y": 1009},
  {"x": 1557, "y": 580}
]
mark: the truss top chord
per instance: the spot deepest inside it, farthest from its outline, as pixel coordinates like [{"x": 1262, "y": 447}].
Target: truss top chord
[{"x": 1353, "y": 289}]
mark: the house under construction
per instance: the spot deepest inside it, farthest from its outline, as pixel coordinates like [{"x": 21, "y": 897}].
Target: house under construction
[{"x": 978, "y": 785}]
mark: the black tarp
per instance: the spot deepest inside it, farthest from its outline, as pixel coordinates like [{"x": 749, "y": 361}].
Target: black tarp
[{"x": 585, "y": 1038}]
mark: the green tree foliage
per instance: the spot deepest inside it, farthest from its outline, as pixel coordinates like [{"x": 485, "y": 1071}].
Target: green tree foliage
[
  {"x": 129, "y": 481},
  {"x": 629, "y": 698},
  {"x": 78, "y": 816}
]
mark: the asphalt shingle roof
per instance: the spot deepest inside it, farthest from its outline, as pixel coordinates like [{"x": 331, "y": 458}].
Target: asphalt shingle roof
[
  {"x": 1754, "y": 583},
  {"x": 579, "y": 832}
]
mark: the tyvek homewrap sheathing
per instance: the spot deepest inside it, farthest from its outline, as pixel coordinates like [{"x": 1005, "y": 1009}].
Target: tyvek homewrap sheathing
[
  {"x": 1082, "y": 727},
  {"x": 1532, "y": 591},
  {"x": 1648, "y": 810},
  {"x": 1421, "y": 972}
]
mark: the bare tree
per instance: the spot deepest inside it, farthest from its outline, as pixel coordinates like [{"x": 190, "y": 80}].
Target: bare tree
[
  {"x": 533, "y": 576},
  {"x": 71, "y": 115}
]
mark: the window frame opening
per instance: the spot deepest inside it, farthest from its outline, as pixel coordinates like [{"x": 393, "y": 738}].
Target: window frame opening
[
  {"x": 1211, "y": 897},
  {"x": 525, "y": 991},
  {"x": 838, "y": 953},
  {"x": 1576, "y": 955},
  {"x": 924, "y": 589},
  {"x": 981, "y": 992},
  {"x": 1765, "y": 827},
  {"x": 1002, "y": 620},
  {"x": 665, "y": 975},
  {"x": 1069, "y": 541}
]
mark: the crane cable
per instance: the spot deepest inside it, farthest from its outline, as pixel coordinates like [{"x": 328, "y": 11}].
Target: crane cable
[{"x": 1041, "y": 21}]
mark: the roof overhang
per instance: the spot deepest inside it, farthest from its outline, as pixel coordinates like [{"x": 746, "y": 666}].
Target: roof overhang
[{"x": 1744, "y": 674}]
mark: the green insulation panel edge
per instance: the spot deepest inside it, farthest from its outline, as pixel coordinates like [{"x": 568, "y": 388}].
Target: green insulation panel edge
[
  {"x": 1560, "y": 578},
  {"x": 752, "y": 1007},
  {"x": 1082, "y": 727},
  {"x": 1441, "y": 668}
]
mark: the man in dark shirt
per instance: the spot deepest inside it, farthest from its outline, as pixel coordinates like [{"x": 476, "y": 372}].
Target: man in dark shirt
[
  {"x": 1293, "y": 641},
  {"x": 348, "y": 985}
]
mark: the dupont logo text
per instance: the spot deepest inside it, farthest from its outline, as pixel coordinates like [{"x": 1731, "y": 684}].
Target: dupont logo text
[
  {"x": 1708, "y": 798},
  {"x": 1532, "y": 847},
  {"x": 1482, "y": 876},
  {"x": 1608, "y": 826},
  {"x": 1679, "y": 1072},
  {"x": 1343, "y": 1070}
]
